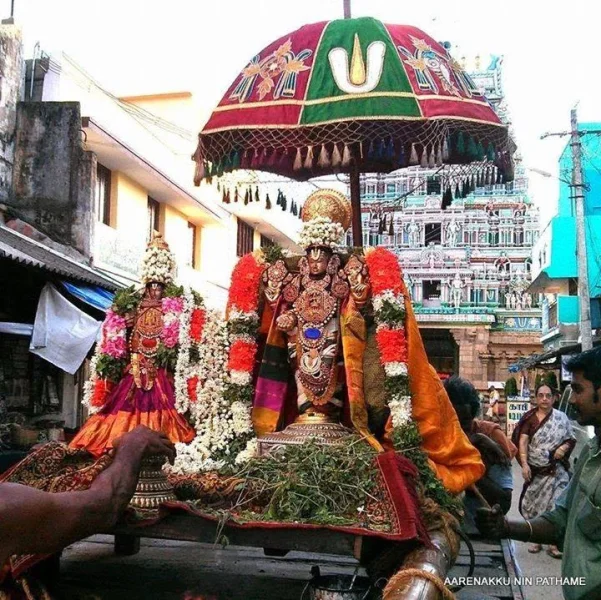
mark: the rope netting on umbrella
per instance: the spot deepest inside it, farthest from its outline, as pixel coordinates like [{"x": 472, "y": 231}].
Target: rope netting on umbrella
[{"x": 305, "y": 152}]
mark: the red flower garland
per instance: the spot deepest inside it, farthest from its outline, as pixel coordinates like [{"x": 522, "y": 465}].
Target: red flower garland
[
  {"x": 197, "y": 324},
  {"x": 244, "y": 288},
  {"x": 102, "y": 389},
  {"x": 192, "y": 387},
  {"x": 384, "y": 271},
  {"x": 242, "y": 356},
  {"x": 392, "y": 345}
]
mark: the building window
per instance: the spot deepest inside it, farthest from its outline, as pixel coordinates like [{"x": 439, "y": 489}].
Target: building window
[
  {"x": 103, "y": 194},
  {"x": 433, "y": 186},
  {"x": 154, "y": 218},
  {"x": 371, "y": 189},
  {"x": 246, "y": 239},
  {"x": 193, "y": 232},
  {"x": 390, "y": 188},
  {"x": 266, "y": 242},
  {"x": 433, "y": 233},
  {"x": 432, "y": 290}
]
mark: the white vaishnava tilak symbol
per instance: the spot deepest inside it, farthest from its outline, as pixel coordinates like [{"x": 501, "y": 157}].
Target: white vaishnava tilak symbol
[{"x": 361, "y": 77}]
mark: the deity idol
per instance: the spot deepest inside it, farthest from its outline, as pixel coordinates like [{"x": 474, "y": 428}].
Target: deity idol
[
  {"x": 132, "y": 378},
  {"x": 339, "y": 350},
  {"x": 317, "y": 320}
]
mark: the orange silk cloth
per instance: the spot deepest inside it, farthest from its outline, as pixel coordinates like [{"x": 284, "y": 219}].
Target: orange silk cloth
[{"x": 453, "y": 458}]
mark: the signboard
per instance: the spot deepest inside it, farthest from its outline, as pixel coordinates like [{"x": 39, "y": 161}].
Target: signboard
[{"x": 516, "y": 407}]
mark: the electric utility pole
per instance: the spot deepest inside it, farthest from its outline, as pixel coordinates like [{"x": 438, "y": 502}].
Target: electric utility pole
[
  {"x": 586, "y": 334},
  {"x": 578, "y": 186}
]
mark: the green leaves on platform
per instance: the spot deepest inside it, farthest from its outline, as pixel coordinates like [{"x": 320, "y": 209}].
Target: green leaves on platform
[{"x": 310, "y": 483}]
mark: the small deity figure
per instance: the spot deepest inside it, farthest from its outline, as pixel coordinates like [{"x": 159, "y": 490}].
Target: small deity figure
[
  {"x": 507, "y": 299},
  {"x": 513, "y": 300},
  {"x": 528, "y": 301},
  {"x": 413, "y": 230},
  {"x": 457, "y": 286},
  {"x": 131, "y": 386},
  {"x": 519, "y": 301},
  {"x": 452, "y": 231}
]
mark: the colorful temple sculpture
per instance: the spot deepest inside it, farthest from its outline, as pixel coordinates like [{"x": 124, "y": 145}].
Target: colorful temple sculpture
[{"x": 465, "y": 244}]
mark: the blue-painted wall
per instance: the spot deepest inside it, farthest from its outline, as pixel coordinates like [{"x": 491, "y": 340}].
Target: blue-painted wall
[{"x": 563, "y": 246}]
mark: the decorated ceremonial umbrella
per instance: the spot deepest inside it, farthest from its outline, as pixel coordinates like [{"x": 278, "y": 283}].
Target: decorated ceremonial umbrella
[{"x": 351, "y": 96}]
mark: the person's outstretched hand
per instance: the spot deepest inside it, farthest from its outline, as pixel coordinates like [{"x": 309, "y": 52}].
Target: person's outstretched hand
[
  {"x": 491, "y": 522},
  {"x": 147, "y": 441}
]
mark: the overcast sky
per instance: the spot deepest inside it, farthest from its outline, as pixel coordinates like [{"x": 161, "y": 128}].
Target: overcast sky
[{"x": 135, "y": 46}]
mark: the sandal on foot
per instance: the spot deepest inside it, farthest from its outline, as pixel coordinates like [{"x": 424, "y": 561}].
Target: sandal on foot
[
  {"x": 554, "y": 552},
  {"x": 535, "y": 548}
]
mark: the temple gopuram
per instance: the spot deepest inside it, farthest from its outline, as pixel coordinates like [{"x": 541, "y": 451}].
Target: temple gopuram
[{"x": 466, "y": 256}]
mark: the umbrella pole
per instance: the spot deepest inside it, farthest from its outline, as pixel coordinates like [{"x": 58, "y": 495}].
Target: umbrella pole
[{"x": 356, "y": 206}]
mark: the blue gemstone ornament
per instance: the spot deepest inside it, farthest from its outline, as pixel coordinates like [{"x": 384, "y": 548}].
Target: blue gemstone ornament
[{"x": 312, "y": 333}]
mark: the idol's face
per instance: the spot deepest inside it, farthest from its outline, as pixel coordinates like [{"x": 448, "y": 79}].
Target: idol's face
[
  {"x": 585, "y": 400},
  {"x": 318, "y": 259},
  {"x": 155, "y": 290}
]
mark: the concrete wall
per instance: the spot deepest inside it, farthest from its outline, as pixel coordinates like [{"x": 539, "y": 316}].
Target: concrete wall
[
  {"x": 11, "y": 66},
  {"x": 53, "y": 178}
]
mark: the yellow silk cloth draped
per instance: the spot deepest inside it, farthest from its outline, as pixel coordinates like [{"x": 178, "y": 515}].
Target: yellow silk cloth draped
[{"x": 456, "y": 462}]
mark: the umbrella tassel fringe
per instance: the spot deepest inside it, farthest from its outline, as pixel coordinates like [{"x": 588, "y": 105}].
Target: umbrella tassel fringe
[
  {"x": 413, "y": 158},
  {"x": 309, "y": 158},
  {"x": 298, "y": 161},
  {"x": 324, "y": 160},
  {"x": 346, "y": 156},
  {"x": 336, "y": 157}
]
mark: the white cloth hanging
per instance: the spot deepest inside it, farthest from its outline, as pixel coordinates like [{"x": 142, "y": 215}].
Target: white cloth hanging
[{"x": 62, "y": 333}]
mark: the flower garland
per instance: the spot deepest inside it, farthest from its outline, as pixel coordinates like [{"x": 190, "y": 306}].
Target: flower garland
[
  {"x": 389, "y": 312},
  {"x": 183, "y": 324},
  {"x": 227, "y": 353},
  {"x": 321, "y": 231},
  {"x": 158, "y": 265},
  {"x": 388, "y": 302}
]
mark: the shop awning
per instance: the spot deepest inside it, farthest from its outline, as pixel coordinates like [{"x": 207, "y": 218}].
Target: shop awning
[
  {"x": 92, "y": 295},
  {"x": 27, "y": 251},
  {"x": 547, "y": 360}
]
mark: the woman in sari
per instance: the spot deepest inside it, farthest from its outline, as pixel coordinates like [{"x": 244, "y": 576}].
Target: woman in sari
[{"x": 545, "y": 441}]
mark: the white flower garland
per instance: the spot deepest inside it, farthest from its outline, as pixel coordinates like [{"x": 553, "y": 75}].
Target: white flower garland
[
  {"x": 90, "y": 384},
  {"x": 182, "y": 367},
  {"x": 321, "y": 231},
  {"x": 158, "y": 265}
]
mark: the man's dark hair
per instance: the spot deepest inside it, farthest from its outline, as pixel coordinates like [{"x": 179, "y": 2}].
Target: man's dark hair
[
  {"x": 461, "y": 392},
  {"x": 589, "y": 363}
]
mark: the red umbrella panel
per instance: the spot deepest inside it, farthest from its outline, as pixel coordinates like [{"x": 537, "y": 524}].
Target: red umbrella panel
[{"x": 352, "y": 92}]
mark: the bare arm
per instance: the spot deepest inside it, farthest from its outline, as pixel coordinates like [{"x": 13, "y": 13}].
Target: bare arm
[
  {"x": 32, "y": 521},
  {"x": 491, "y": 522}
]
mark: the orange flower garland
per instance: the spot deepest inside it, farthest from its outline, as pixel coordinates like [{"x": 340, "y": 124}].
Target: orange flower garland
[
  {"x": 384, "y": 271},
  {"x": 392, "y": 345},
  {"x": 244, "y": 288},
  {"x": 242, "y": 355}
]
